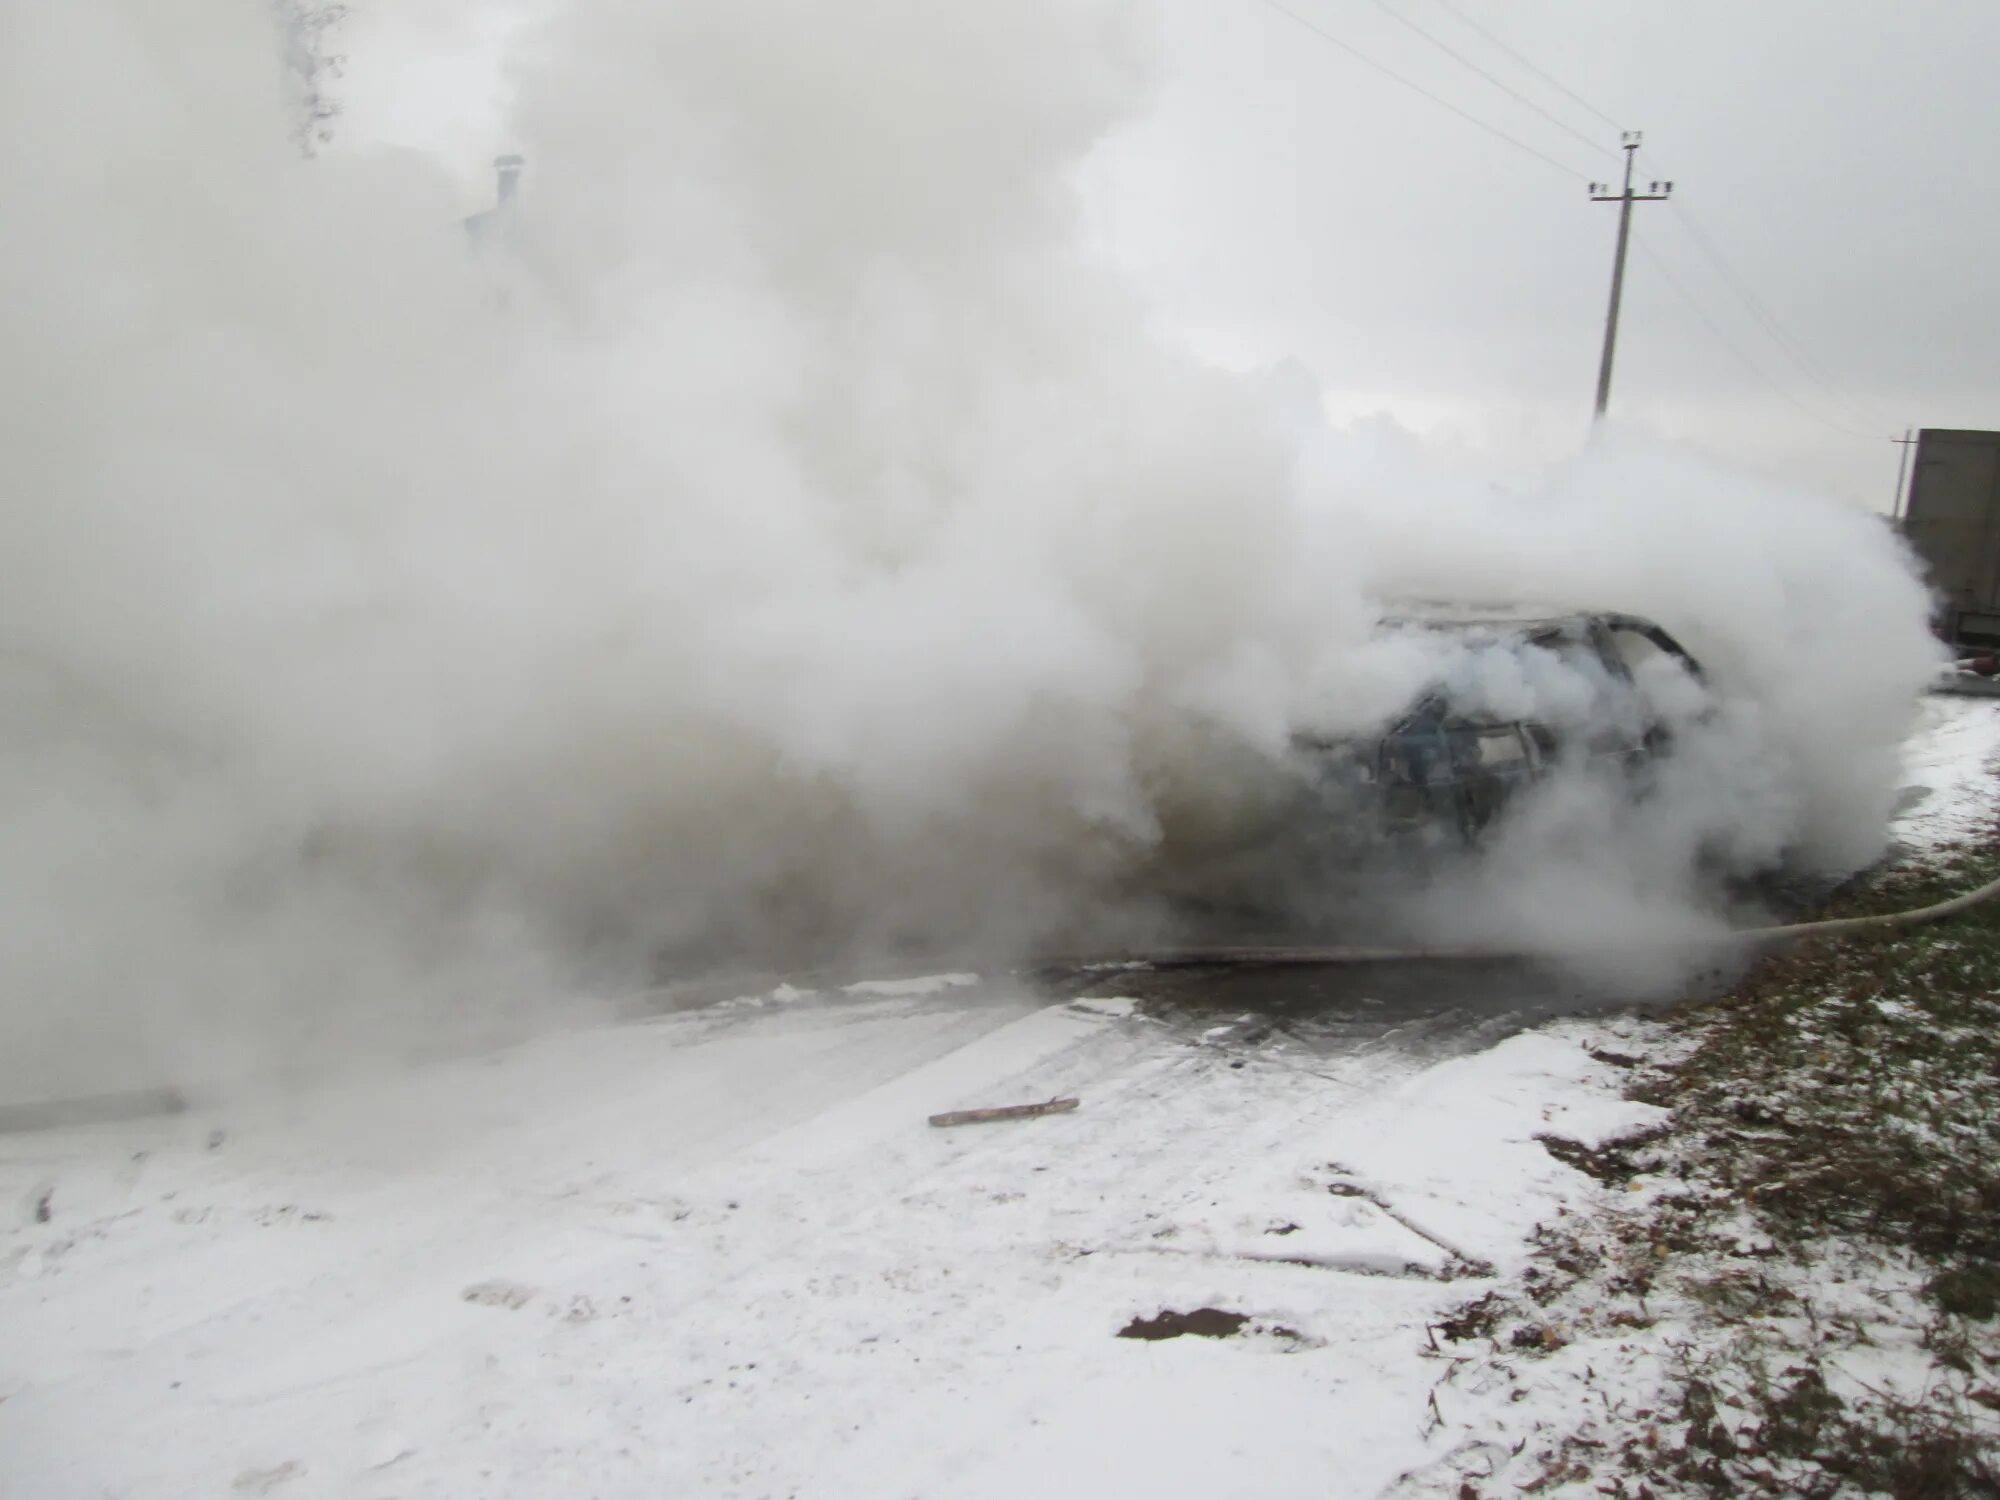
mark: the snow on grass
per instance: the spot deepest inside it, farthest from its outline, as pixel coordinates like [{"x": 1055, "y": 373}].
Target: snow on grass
[{"x": 1797, "y": 1294}]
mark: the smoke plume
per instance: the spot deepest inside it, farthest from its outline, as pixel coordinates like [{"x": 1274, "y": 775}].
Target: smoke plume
[{"x": 770, "y": 538}]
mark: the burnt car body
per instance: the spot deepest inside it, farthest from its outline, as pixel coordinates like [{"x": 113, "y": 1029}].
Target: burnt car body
[
  {"x": 1446, "y": 768},
  {"x": 1344, "y": 824}
]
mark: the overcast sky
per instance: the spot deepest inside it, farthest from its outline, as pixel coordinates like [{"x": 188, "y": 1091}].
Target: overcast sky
[{"x": 1284, "y": 200}]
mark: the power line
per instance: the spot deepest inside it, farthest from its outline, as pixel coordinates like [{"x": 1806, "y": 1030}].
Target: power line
[
  {"x": 1768, "y": 321},
  {"x": 1852, "y": 409},
  {"x": 1814, "y": 372},
  {"x": 1417, "y": 88},
  {"x": 1500, "y": 84},
  {"x": 1736, "y": 351},
  {"x": 1552, "y": 81}
]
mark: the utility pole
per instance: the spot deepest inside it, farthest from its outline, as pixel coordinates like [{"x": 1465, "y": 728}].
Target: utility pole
[
  {"x": 1907, "y": 440},
  {"x": 1600, "y": 192}
]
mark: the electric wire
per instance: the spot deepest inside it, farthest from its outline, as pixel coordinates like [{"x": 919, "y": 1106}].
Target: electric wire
[
  {"x": 1767, "y": 320},
  {"x": 1552, "y": 81},
  {"x": 1694, "y": 305},
  {"x": 1849, "y": 408},
  {"x": 1501, "y": 84},
  {"x": 1471, "y": 119}
]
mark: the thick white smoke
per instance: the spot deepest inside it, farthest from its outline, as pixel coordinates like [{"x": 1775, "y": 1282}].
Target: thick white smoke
[{"x": 779, "y": 539}]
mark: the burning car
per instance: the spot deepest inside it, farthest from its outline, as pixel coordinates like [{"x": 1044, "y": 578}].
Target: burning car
[
  {"x": 1522, "y": 691},
  {"x": 1501, "y": 700}
]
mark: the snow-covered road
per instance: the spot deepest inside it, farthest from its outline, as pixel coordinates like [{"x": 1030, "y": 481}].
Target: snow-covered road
[{"x": 721, "y": 1253}]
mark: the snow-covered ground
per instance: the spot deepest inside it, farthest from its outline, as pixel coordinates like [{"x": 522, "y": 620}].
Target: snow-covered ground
[
  {"x": 1947, "y": 793},
  {"x": 722, "y": 1253}
]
